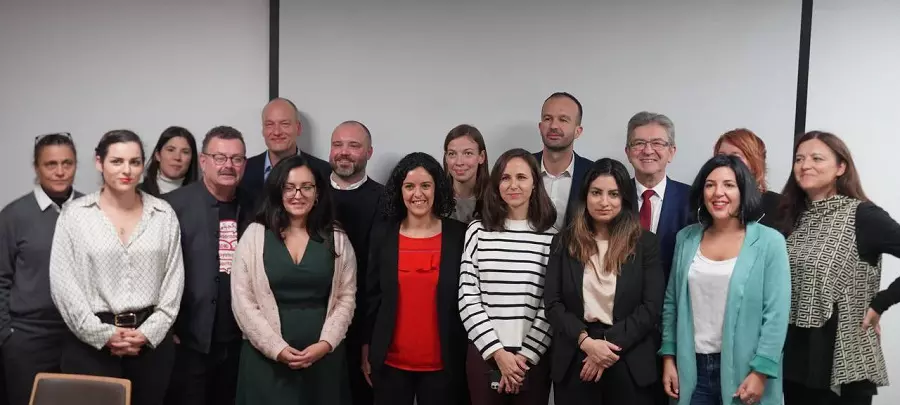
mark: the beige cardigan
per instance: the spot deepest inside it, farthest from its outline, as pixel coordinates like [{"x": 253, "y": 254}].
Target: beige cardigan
[{"x": 254, "y": 304}]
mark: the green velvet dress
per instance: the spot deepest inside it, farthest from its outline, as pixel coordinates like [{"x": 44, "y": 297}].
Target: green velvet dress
[{"x": 301, "y": 291}]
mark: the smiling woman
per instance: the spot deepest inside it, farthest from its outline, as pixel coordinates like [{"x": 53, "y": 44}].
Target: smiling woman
[
  {"x": 465, "y": 161},
  {"x": 173, "y": 163}
]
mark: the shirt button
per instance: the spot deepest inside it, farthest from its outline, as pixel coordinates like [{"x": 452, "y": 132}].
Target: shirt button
[{"x": 214, "y": 302}]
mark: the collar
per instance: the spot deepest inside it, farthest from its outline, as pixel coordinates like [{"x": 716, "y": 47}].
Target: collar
[
  {"x": 569, "y": 170},
  {"x": 660, "y": 188},
  {"x": 353, "y": 186},
  {"x": 268, "y": 165},
  {"x": 44, "y": 201},
  {"x": 150, "y": 202}
]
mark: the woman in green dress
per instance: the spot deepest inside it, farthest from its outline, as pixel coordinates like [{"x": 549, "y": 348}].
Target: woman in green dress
[{"x": 293, "y": 294}]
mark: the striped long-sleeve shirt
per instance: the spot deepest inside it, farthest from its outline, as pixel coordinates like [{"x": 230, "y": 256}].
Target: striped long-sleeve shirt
[{"x": 501, "y": 289}]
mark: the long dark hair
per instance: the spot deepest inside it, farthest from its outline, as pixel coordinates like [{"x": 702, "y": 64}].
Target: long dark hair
[
  {"x": 751, "y": 198},
  {"x": 541, "y": 213},
  {"x": 795, "y": 200},
  {"x": 393, "y": 207},
  {"x": 482, "y": 176},
  {"x": 320, "y": 222},
  {"x": 152, "y": 173},
  {"x": 624, "y": 229}
]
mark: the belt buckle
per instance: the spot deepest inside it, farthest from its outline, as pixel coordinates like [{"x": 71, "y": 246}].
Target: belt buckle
[{"x": 125, "y": 320}]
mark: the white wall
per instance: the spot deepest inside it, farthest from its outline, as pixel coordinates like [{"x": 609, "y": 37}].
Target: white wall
[
  {"x": 413, "y": 69},
  {"x": 853, "y": 88},
  {"x": 90, "y": 66}
]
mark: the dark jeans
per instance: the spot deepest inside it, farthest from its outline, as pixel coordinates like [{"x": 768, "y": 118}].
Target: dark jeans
[
  {"x": 149, "y": 371},
  {"x": 32, "y": 348},
  {"x": 400, "y": 387},
  {"x": 709, "y": 380},
  {"x": 535, "y": 391},
  {"x": 205, "y": 379}
]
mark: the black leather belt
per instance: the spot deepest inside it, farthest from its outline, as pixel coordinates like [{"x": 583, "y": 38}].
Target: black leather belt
[{"x": 126, "y": 319}]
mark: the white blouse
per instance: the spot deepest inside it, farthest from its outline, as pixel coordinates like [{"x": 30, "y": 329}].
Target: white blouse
[
  {"x": 708, "y": 287},
  {"x": 92, "y": 271}
]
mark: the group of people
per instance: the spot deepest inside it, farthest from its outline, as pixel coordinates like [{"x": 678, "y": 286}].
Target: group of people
[{"x": 208, "y": 277}]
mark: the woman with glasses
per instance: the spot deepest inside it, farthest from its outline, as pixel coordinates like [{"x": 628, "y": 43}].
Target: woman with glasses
[
  {"x": 31, "y": 329},
  {"x": 465, "y": 161},
  {"x": 293, "y": 294},
  {"x": 416, "y": 347},
  {"x": 116, "y": 275},
  {"x": 173, "y": 163}
]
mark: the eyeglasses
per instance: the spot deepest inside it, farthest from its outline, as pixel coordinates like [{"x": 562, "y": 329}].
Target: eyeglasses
[
  {"x": 63, "y": 134},
  {"x": 307, "y": 190},
  {"x": 221, "y": 158},
  {"x": 657, "y": 145}
]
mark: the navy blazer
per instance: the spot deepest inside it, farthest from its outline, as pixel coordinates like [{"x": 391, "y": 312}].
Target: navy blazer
[
  {"x": 254, "y": 174},
  {"x": 673, "y": 217},
  {"x": 581, "y": 167}
]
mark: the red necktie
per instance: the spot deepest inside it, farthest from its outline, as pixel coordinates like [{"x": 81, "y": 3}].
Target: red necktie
[{"x": 646, "y": 209}]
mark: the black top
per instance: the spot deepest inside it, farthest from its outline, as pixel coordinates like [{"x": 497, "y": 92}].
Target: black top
[
  {"x": 637, "y": 308},
  {"x": 770, "y": 203},
  {"x": 26, "y": 234},
  {"x": 255, "y": 174},
  {"x": 877, "y": 233},
  {"x": 382, "y": 296},
  {"x": 207, "y": 296},
  {"x": 357, "y": 210}
]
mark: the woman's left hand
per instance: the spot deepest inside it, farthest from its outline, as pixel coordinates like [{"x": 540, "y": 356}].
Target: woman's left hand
[
  {"x": 872, "y": 321},
  {"x": 311, "y": 354},
  {"x": 751, "y": 390}
]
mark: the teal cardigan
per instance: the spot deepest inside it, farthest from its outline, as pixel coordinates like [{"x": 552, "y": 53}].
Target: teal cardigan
[{"x": 756, "y": 313}]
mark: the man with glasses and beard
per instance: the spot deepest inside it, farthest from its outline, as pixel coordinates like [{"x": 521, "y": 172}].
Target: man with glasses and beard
[
  {"x": 212, "y": 213},
  {"x": 357, "y": 198},
  {"x": 562, "y": 170}
]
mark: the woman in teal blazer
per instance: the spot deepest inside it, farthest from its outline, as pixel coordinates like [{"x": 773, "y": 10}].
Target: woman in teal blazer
[{"x": 726, "y": 308}]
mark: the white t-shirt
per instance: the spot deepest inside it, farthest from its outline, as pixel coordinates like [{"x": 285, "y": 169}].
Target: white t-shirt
[{"x": 708, "y": 287}]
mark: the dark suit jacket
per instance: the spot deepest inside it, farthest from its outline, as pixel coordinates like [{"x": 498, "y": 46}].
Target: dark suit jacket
[
  {"x": 198, "y": 216},
  {"x": 382, "y": 297},
  {"x": 771, "y": 201},
  {"x": 673, "y": 217},
  {"x": 636, "y": 309},
  {"x": 255, "y": 170},
  {"x": 581, "y": 167}
]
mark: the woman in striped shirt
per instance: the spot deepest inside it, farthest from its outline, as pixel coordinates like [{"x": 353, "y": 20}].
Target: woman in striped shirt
[{"x": 501, "y": 286}]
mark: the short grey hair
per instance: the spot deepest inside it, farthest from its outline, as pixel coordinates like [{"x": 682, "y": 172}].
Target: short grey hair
[{"x": 646, "y": 118}]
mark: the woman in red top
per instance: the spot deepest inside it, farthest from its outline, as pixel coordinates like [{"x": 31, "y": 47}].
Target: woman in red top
[{"x": 417, "y": 345}]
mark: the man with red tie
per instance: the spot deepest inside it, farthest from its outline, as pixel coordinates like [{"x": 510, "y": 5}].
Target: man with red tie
[{"x": 662, "y": 202}]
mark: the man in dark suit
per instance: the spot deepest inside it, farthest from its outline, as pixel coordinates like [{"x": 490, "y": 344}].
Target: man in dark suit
[
  {"x": 281, "y": 127},
  {"x": 562, "y": 170},
  {"x": 212, "y": 214},
  {"x": 663, "y": 203}
]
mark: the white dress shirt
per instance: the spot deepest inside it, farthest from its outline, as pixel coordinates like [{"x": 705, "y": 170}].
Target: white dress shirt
[
  {"x": 656, "y": 201},
  {"x": 353, "y": 186},
  {"x": 558, "y": 188},
  {"x": 44, "y": 201},
  {"x": 708, "y": 288},
  {"x": 92, "y": 271}
]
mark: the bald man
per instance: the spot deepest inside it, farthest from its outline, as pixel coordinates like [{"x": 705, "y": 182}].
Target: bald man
[
  {"x": 356, "y": 198},
  {"x": 281, "y": 128}
]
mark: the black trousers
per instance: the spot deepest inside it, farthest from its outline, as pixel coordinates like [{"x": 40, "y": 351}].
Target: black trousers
[
  {"x": 360, "y": 391},
  {"x": 32, "y": 348},
  {"x": 535, "y": 391},
  {"x": 205, "y": 379},
  {"x": 858, "y": 393},
  {"x": 149, "y": 371},
  {"x": 400, "y": 387}
]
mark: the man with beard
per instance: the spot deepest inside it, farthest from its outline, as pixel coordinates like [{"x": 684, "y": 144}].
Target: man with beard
[
  {"x": 212, "y": 213},
  {"x": 561, "y": 168},
  {"x": 356, "y": 197}
]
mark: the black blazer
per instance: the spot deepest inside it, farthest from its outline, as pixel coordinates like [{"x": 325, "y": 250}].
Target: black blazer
[
  {"x": 636, "y": 310},
  {"x": 771, "y": 201},
  {"x": 381, "y": 295},
  {"x": 255, "y": 170},
  {"x": 581, "y": 167},
  {"x": 198, "y": 217}
]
